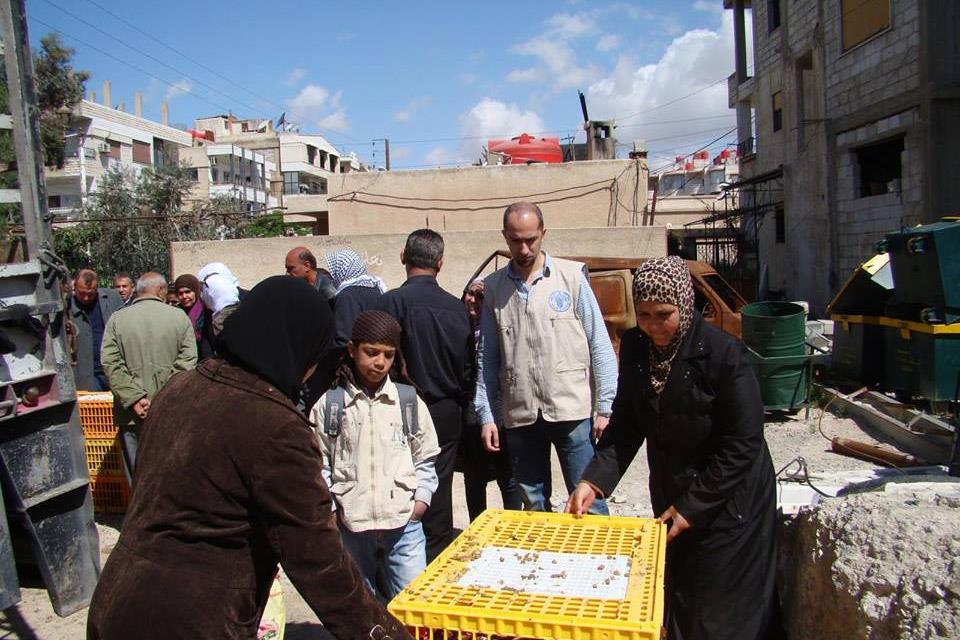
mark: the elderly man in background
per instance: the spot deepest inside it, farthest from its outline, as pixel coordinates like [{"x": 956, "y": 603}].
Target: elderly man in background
[
  {"x": 301, "y": 263},
  {"x": 89, "y": 309},
  {"x": 143, "y": 346},
  {"x": 123, "y": 285}
]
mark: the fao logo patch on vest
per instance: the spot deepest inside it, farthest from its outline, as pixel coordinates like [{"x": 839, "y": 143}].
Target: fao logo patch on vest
[{"x": 560, "y": 301}]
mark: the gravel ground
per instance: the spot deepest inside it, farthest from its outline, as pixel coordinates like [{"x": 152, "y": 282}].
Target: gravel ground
[{"x": 787, "y": 436}]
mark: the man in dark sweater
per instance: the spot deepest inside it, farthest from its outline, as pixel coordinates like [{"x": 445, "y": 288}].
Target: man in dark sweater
[
  {"x": 88, "y": 309},
  {"x": 301, "y": 263},
  {"x": 438, "y": 346}
]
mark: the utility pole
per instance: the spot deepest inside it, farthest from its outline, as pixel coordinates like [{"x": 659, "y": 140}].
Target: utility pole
[
  {"x": 386, "y": 149},
  {"x": 46, "y": 493}
]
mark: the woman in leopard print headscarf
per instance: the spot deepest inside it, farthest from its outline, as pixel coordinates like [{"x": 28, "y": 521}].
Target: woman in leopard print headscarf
[
  {"x": 687, "y": 390},
  {"x": 665, "y": 281}
]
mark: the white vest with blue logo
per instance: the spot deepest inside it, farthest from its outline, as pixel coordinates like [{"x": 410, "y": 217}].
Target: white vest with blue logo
[{"x": 544, "y": 354}]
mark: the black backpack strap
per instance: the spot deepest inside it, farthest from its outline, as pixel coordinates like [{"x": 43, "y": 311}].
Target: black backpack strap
[
  {"x": 408, "y": 409},
  {"x": 334, "y": 412}
]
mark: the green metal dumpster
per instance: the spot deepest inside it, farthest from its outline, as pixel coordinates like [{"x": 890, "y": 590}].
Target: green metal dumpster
[
  {"x": 926, "y": 267},
  {"x": 922, "y": 359},
  {"x": 775, "y": 334},
  {"x": 858, "y": 348}
]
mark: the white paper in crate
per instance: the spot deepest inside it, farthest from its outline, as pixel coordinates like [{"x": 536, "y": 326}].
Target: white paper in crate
[{"x": 576, "y": 575}]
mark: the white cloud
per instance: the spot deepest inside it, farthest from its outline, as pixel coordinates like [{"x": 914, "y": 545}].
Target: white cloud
[
  {"x": 315, "y": 105},
  {"x": 294, "y": 76},
  {"x": 309, "y": 102},
  {"x": 608, "y": 42},
  {"x": 631, "y": 11},
  {"x": 632, "y": 94},
  {"x": 177, "y": 89},
  {"x": 671, "y": 25},
  {"x": 336, "y": 121},
  {"x": 411, "y": 108},
  {"x": 491, "y": 118},
  {"x": 520, "y": 76},
  {"x": 569, "y": 26},
  {"x": 707, "y": 6},
  {"x": 559, "y": 61},
  {"x": 439, "y": 156}
]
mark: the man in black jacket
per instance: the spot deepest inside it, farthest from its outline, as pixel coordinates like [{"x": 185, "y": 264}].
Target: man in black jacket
[
  {"x": 438, "y": 346},
  {"x": 88, "y": 309}
]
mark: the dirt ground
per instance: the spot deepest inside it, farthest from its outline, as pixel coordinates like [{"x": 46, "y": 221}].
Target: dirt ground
[{"x": 787, "y": 436}]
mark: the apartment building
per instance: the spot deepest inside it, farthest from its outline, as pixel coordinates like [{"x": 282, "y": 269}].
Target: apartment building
[
  {"x": 847, "y": 130},
  {"x": 104, "y": 138},
  {"x": 232, "y": 171},
  {"x": 305, "y": 163}
]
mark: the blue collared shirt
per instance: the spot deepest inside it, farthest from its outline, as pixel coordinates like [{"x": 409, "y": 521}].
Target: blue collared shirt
[{"x": 603, "y": 361}]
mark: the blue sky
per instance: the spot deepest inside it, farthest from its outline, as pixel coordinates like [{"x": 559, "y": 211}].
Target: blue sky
[{"x": 436, "y": 78}]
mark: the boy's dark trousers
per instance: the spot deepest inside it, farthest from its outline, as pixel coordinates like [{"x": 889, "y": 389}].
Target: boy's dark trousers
[{"x": 447, "y": 418}]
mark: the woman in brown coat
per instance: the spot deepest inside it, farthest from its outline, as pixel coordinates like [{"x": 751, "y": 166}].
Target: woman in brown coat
[{"x": 227, "y": 485}]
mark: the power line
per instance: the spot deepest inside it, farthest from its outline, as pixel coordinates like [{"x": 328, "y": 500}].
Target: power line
[
  {"x": 149, "y": 56},
  {"x": 673, "y": 137},
  {"x": 703, "y": 148},
  {"x": 121, "y": 61},
  {"x": 181, "y": 54},
  {"x": 675, "y": 100},
  {"x": 562, "y": 131}
]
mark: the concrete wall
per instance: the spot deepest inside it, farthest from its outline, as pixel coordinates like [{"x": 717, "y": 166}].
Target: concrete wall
[
  {"x": 255, "y": 259},
  {"x": 603, "y": 193},
  {"x": 862, "y": 221},
  {"x": 895, "y": 84}
]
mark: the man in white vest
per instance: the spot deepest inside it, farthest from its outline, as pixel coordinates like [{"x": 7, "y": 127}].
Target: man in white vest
[{"x": 542, "y": 342}]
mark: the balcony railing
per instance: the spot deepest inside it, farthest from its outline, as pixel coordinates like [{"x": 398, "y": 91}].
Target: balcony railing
[{"x": 745, "y": 148}]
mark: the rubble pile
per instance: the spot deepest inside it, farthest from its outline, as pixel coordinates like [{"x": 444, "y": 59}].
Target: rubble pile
[{"x": 879, "y": 565}]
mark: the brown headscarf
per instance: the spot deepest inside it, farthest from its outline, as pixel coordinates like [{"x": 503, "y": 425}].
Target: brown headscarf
[
  {"x": 666, "y": 280},
  {"x": 189, "y": 281}
]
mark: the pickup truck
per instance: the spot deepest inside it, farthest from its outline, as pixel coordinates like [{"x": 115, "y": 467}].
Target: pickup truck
[{"x": 612, "y": 282}]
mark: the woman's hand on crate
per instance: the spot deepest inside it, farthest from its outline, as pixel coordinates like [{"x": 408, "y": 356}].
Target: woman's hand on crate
[
  {"x": 580, "y": 500},
  {"x": 678, "y": 524}
]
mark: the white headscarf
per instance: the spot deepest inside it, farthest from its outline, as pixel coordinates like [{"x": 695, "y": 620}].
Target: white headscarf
[
  {"x": 348, "y": 269},
  {"x": 220, "y": 288}
]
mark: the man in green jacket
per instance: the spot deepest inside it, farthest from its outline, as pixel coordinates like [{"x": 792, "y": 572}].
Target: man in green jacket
[{"x": 144, "y": 344}]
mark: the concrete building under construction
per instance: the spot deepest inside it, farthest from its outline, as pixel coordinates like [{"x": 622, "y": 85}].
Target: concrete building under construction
[{"x": 847, "y": 129}]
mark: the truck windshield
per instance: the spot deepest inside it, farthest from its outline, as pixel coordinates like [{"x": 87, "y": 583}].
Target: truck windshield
[{"x": 729, "y": 296}]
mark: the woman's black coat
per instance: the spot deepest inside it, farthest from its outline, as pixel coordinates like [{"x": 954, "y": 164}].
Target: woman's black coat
[
  {"x": 704, "y": 433},
  {"x": 709, "y": 460}
]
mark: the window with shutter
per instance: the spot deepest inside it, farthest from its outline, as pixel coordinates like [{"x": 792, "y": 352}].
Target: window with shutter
[
  {"x": 141, "y": 152},
  {"x": 863, "y": 19}
]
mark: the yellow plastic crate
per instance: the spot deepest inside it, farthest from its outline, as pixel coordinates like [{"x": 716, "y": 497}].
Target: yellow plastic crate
[
  {"x": 111, "y": 494},
  {"x": 542, "y": 575},
  {"x": 96, "y": 414},
  {"x": 103, "y": 457}
]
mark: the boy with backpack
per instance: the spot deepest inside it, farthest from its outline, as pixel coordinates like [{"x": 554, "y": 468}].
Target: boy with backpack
[{"x": 379, "y": 446}]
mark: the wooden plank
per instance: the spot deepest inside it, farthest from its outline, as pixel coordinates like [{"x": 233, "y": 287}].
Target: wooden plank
[
  {"x": 913, "y": 419},
  {"x": 932, "y": 451}
]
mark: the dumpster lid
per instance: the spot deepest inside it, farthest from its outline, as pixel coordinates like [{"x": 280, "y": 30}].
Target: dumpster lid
[{"x": 866, "y": 290}]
